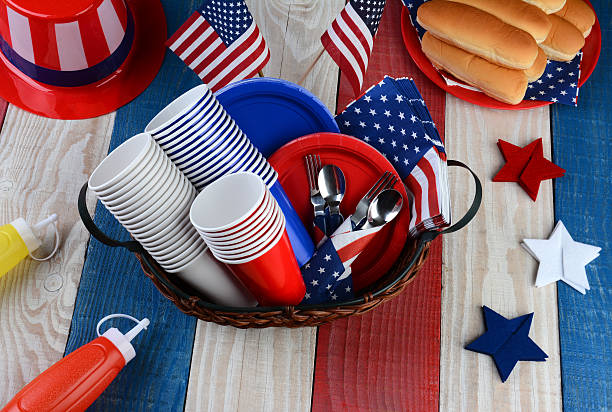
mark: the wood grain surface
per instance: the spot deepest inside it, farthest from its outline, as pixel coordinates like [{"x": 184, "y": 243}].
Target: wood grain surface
[
  {"x": 583, "y": 146},
  {"x": 269, "y": 369},
  {"x": 407, "y": 354},
  {"x": 484, "y": 264},
  {"x": 3, "y": 107},
  {"x": 43, "y": 163},
  {"x": 113, "y": 282},
  {"x": 387, "y": 359}
]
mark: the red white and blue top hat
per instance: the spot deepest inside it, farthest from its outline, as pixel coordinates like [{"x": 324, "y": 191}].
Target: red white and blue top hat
[{"x": 74, "y": 59}]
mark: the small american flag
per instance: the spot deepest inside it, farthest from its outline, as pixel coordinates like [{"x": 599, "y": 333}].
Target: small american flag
[
  {"x": 393, "y": 118},
  {"x": 350, "y": 38},
  {"x": 221, "y": 43},
  {"x": 328, "y": 274}
]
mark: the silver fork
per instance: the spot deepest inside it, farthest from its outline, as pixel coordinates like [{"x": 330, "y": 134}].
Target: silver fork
[
  {"x": 313, "y": 166},
  {"x": 386, "y": 181}
]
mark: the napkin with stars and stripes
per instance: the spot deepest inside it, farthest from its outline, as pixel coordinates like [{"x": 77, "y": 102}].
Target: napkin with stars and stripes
[
  {"x": 328, "y": 274},
  {"x": 393, "y": 118},
  {"x": 558, "y": 84}
]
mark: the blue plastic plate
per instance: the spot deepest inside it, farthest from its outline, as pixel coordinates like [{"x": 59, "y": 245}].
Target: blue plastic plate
[{"x": 273, "y": 112}]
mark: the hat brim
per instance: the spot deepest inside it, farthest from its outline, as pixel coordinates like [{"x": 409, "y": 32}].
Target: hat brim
[{"x": 82, "y": 102}]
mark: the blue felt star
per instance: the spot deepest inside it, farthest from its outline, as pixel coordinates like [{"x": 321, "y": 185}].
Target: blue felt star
[{"x": 507, "y": 341}]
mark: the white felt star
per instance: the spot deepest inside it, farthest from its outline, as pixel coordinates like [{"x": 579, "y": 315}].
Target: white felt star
[{"x": 562, "y": 258}]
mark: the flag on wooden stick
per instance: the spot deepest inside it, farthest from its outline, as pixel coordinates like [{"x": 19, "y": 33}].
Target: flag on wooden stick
[
  {"x": 221, "y": 43},
  {"x": 350, "y": 38}
]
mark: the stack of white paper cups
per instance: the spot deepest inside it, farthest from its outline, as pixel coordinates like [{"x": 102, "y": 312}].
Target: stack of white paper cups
[{"x": 151, "y": 198}]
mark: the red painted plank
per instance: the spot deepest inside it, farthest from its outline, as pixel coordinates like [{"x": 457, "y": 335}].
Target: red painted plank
[
  {"x": 3, "y": 106},
  {"x": 388, "y": 359}
]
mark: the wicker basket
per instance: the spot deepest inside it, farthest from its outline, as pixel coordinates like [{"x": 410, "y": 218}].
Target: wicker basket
[{"x": 403, "y": 271}]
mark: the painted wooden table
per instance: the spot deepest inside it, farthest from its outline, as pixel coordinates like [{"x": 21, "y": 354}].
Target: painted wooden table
[{"x": 405, "y": 355}]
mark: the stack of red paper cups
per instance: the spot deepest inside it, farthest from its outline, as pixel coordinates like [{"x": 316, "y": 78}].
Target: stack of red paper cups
[{"x": 244, "y": 227}]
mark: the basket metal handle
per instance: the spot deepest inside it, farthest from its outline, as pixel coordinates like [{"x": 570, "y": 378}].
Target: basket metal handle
[
  {"x": 430, "y": 235},
  {"x": 423, "y": 240},
  {"x": 95, "y": 231},
  {"x": 469, "y": 215}
]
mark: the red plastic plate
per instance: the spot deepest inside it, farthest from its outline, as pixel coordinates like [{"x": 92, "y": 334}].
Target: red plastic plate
[
  {"x": 591, "y": 50},
  {"x": 362, "y": 166}
]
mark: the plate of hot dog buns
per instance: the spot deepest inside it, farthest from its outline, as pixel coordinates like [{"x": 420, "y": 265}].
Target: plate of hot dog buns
[{"x": 498, "y": 47}]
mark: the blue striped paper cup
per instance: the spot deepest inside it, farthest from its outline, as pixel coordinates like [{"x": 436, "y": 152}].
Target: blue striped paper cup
[
  {"x": 179, "y": 111},
  {"x": 201, "y": 167},
  {"x": 229, "y": 164},
  {"x": 198, "y": 131},
  {"x": 204, "y": 142},
  {"x": 204, "y": 156}
]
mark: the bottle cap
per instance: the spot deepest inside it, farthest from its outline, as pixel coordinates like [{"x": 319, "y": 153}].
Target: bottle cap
[
  {"x": 120, "y": 340},
  {"x": 27, "y": 235},
  {"x": 31, "y": 235}
]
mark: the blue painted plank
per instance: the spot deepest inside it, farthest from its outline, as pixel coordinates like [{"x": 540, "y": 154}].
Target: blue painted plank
[
  {"x": 112, "y": 281},
  {"x": 582, "y": 144}
]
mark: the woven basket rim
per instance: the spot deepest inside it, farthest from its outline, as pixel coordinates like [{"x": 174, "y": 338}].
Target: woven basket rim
[
  {"x": 154, "y": 271},
  {"x": 406, "y": 267}
]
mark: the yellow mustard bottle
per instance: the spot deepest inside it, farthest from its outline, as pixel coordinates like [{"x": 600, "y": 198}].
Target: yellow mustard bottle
[{"x": 18, "y": 239}]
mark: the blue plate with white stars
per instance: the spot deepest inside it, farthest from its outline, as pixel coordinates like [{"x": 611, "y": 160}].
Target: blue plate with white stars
[{"x": 273, "y": 112}]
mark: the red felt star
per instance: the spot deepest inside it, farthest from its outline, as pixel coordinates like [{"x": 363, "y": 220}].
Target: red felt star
[
  {"x": 516, "y": 159},
  {"x": 537, "y": 170},
  {"x": 527, "y": 166}
]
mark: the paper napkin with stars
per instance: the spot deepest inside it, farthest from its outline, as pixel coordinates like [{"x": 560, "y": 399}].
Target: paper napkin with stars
[
  {"x": 558, "y": 84},
  {"x": 328, "y": 274},
  {"x": 392, "y": 117}
]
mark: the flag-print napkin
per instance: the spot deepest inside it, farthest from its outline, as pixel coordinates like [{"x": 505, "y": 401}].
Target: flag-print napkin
[
  {"x": 393, "y": 118},
  {"x": 558, "y": 84},
  {"x": 328, "y": 274}
]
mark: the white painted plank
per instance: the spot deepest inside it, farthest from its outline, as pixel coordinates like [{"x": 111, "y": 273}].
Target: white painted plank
[
  {"x": 484, "y": 264},
  {"x": 268, "y": 369},
  {"x": 43, "y": 163}
]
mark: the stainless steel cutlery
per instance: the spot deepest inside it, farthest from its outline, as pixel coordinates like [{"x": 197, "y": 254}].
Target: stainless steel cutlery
[
  {"x": 386, "y": 181},
  {"x": 313, "y": 167},
  {"x": 332, "y": 186},
  {"x": 384, "y": 208},
  {"x": 327, "y": 187}
]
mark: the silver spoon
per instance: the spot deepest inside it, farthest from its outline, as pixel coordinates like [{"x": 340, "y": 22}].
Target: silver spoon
[
  {"x": 332, "y": 186},
  {"x": 384, "y": 208}
]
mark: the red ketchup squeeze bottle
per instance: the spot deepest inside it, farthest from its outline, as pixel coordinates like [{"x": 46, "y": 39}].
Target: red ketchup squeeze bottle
[{"x": 76, "y": 381}]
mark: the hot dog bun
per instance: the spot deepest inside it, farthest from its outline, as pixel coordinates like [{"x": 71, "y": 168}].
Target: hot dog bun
[
  {"x": 549, "y": 6},
  {"x": 501, "y": 83},
  {"x": 517, "y": 13},
  {"x": 537, "y": 70},
  {"x": 579, "y": 14},
  {"x": 563, "y": 41},
  {"x": 479, "y": 33}
]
